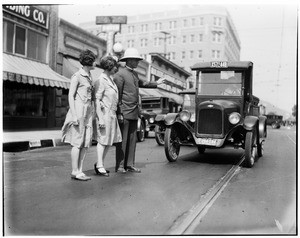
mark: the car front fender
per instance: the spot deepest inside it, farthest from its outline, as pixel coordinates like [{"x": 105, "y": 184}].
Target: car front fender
[
  {"x": 160, "y": 117},
  {"x": 139, "y": 124},
  {"x": 170, "y": 118},
  {"x": 262, "y": 127},
  {"x": 250, "y": 122}
]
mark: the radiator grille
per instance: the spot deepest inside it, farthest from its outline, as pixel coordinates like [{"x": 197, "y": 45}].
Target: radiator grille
[{"x": 210, "y": 121}]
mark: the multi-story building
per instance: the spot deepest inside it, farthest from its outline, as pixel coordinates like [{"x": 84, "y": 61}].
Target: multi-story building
[
  {"x": 40, "y": 53},
  {"x": 184, "y": 36}
]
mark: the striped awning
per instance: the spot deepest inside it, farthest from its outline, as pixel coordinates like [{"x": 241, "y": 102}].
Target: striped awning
[{"x": 22, "y": 70}]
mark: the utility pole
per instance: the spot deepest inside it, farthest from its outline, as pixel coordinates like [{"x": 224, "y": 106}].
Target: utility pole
[
  {"x": 280, "y": 55},
  {"x": 112, "y": 27}
]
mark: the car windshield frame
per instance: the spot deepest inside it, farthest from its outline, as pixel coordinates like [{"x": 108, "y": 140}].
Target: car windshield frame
[{"x": 224, "y": 83}]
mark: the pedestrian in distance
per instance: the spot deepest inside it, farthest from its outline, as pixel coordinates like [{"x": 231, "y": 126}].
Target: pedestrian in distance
[
  {"x": 107, "y": 127},
  {"x": 128, "y": 84},
  {"x": 78, "y": 126}
]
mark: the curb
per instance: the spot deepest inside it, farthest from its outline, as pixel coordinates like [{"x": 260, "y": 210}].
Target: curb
[{"x": 19, "y": 146}]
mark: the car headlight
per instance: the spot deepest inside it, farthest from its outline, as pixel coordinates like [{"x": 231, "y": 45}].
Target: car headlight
[
  {"x": 151, "y": 120},
  {"x": 185, "y": 115},
  {"x": 234, "y": 118}
]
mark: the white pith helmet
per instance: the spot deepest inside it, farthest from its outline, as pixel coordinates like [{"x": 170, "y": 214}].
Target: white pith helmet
[{"x": 131, "y": 53}]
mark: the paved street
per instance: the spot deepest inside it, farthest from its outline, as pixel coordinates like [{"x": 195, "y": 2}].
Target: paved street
[{"x": 41, "y": 199}]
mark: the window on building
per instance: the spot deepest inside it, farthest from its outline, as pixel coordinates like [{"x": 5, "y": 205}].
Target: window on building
[
  {"x": 156, "y": 41},
  {"x": 20, "y": 40},
  {"x": 23, "y": 41},
  {"x": 158, "y": 26},
  {"x": 144, "y": 42},
  {"x": 183, "y": 55},
  {"x": 172, "y": 40},
  {"x": 130, "y": 43},
  {"x": 185, "y": 23},
  {"x": 217, "y": 21},
  {"x": 199, "y": 54},
  {"x": 183, "y": 39},
  {"x": 193, "y": 21},
  {"x": 144, "y": 27},
  {"x": 130, "y": 29},
  {"x": 216, "y": 37},
  {"x": 215, "y": 54},
  {"x": 201, "y": 21},
  {"x": 191, "y": 54},
  {"x": 173, "y": 55},
  {"x": 8, "y": 41},
  {"x": 168, "y": 55},
  {"x": 192, "y": 38},
  {"x": 36, "y": 46},
  {"x": 24, "y": 101},
  {"x": 172, "y": 24},
  {"x": 200, "y": 37}
]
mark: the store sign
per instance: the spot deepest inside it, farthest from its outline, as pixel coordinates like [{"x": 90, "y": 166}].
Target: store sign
[
  {"x": 111, "y": 20},
  {"x": 30, "y": 13}
]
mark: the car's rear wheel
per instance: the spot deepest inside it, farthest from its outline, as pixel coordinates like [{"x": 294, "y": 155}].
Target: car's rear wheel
[
  {"x": 172, "y": 145},
  {"x": 201, "y": 149},
  {"x": 159, "y": 136},
  {"x": 141, "y": 132},
  {"x": 250, "y": 149}
]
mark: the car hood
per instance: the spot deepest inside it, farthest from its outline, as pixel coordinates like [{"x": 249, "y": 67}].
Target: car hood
[{"x": 219, "y": 104}]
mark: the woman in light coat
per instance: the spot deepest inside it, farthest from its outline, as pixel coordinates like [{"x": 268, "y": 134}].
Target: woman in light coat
[
  {"x": 78, "y": 127},
  {"x": 108, "y": 131}
]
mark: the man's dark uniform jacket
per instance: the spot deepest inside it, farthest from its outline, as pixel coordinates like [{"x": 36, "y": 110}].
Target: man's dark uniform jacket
[{"x": 128, "y": 85}]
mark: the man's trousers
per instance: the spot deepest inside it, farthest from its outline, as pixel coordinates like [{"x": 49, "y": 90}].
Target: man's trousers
[{"x": 125, "y": 151}]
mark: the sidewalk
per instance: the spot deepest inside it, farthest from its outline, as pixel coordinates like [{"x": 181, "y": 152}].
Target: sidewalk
[{"x": 25, "y": 140}]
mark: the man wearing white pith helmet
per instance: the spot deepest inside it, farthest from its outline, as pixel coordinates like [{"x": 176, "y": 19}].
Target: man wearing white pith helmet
[{"x": 128, "y": 84}]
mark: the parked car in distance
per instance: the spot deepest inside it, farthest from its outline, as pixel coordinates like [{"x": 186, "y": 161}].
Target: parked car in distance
[
  {"x": 274, "y": 120},
  {"x": 225, "y": 113},
  {"x": 153, "y": 106}
]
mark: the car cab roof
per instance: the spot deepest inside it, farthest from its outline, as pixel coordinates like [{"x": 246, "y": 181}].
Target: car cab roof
[{"x": 230, "y": 64}]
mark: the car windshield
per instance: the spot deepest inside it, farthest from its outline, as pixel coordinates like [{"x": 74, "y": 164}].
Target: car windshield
[{"x": 223, "y": 83}]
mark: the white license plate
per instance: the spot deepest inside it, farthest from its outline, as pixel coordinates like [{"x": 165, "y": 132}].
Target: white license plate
[{"x": 207, "y": 141}]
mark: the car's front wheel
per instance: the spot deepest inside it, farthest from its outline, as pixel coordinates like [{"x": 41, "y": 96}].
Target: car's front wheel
[
  {"x": 159, "y": 136},
  {"x": 250, "y": 149},
  {"x": 172, "y": 144},
  {"x": 260, "y": 149}
]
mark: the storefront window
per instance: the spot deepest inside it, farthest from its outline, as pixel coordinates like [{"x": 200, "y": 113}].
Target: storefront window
[
  {"x": 36, "y": 46},
  {"x": 19, "y": 40},
  {"x": 8, "y": 32},
  {"x": 24, "y": 101}
]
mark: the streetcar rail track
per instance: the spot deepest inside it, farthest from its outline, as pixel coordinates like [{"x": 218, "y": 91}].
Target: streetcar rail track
[{"x": 188, "y": 222}]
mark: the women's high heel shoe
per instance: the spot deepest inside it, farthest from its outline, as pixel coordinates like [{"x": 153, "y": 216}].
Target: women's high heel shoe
[{"x": 100, "y": 173}]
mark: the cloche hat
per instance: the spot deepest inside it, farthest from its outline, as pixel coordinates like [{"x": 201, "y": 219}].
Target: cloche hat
[{"x": 131, "y": 53}]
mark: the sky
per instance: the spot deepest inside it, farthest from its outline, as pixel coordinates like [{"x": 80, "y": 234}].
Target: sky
[{"x": 267, "y": 31}]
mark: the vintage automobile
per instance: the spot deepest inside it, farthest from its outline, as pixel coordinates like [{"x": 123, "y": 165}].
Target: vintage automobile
[
  {"x": 274, "y": 120},
  {"x": 152, "y": 107},
  {"x": 225, "y": 113}
]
